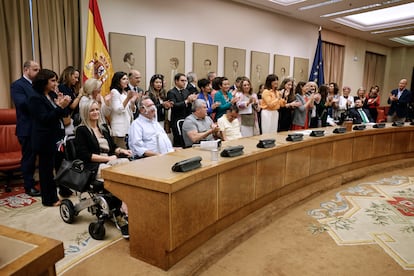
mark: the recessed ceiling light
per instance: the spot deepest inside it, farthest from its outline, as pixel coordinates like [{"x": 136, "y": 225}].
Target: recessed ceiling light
[
  {"x": 351, "y": 10},
  {"x": 286, "y": 2},
  {"x": 406, "y": 40},
  {"x": 392, "y": 30},
  {"x": 319, "y": 5},
  {"x": 380, "y": 19},
  {"x": 381, "y": 16},
  {"x": 361, "y": 8}
]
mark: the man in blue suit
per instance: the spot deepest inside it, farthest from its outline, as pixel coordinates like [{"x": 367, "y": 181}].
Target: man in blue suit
[
  {"x": 21, "y": 91},
  {"x": 399, "y": 100}
]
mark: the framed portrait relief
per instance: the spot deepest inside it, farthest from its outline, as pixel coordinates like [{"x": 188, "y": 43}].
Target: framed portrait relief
[
  {"x": 169, "y": 59},
  {"x": 300, "y": 69},
  {"x": 128, "y": 52},
  {"x": 234, "y": 63},
  {"x": 281, "y": 66},
  {"x": 259, "y": 68},
  {"x": 205, "y": 59}
]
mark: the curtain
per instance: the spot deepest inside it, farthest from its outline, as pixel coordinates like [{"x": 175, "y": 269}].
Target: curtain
[
  {"x": 15, "y": 35},
  {"x": 374, "y": 70},
  {"x": 333, "y": 62},
  {"x": 57, "y": 33}
]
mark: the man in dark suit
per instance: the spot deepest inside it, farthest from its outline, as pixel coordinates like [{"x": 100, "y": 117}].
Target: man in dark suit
[
  {"x": 181, "y": 108},
  {"x": 21, "y": 91},
  {"x": 192, "y": 83},
  {"x": 134, "y": 77},
  {"x": 360, "y": 115},
  {"x": 399, "y": 100}
]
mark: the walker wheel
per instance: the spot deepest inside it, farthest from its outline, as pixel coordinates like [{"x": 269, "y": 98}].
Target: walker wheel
[
  {"x": 67, "y": 211},
  {"x": 97, "y": 230}
]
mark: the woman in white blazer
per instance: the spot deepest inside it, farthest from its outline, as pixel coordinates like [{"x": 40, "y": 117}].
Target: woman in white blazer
[{"x": 122, "y": 107}]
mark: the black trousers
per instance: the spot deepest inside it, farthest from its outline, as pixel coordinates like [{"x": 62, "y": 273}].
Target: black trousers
[
  {"x": 47, "y": 183},
  {"x": 28, "y": 162}
]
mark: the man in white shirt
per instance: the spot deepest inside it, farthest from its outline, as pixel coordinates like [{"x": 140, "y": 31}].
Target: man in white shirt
[
  {"x": 229, "y": 124},
  {"x": 346, "y": 102},
  {"x": 145, "y": 135}
]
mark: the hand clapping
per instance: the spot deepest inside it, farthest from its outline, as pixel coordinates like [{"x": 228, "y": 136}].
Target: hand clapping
[{"x": 62, "y": 100}]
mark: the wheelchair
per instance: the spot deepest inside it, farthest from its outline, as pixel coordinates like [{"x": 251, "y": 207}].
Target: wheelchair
[{"x": 93, "y": 197}]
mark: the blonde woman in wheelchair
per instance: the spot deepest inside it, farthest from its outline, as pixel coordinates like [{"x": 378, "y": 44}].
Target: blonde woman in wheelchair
[{"x": 96, "y": 148}]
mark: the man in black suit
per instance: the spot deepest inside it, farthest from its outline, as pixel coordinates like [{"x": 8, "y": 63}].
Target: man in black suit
[
  {"x": 399, "y": 100},
  {"x": 181, "y": 108},
  {"x": 134, "y": 77},
  {"x": 360, "y": 115},
  {"x": 21, "y": 91},
  {"x": 192, "y": 83}
]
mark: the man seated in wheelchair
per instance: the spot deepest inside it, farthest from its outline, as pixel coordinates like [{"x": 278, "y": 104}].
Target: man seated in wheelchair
[{"x": 96, "y": 148}]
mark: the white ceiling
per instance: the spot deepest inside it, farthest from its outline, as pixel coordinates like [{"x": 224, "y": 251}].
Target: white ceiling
[{"x": 378, "y": 32}]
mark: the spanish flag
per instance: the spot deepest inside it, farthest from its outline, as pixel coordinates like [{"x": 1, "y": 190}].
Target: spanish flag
[{"x": 98, "y": 63}]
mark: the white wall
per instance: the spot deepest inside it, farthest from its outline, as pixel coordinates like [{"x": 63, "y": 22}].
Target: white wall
[
  {"x": 217, "y": 22},
  {"x": 229, "y": 24}
]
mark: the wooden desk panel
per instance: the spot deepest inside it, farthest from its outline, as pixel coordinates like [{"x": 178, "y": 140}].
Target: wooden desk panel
[
  {"x": 171, "y": 214},
  {"x": 193, "y": 209},
  {"x": 362, "y": 148},
  {"x": 400, "y": 141},
  {"x": 321, "y": 156},
  {"x": 270, "y": 174},
  {"x": 297, "y": 164},
  {"x": 236, "y": 188},
  {"x": 381, "y": 144},
  {"x": 342, "y": 152}
]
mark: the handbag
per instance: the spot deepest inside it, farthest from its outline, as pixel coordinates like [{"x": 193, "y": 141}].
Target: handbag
[{"x": 73, "y": 175}]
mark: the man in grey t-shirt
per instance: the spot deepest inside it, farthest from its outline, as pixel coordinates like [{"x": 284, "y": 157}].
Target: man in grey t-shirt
[{"x": 198, "y": 126}]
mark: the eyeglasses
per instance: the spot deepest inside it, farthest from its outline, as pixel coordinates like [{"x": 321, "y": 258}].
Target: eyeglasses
[
  {"x": 158, "y": 76},
  {"x": 184, "y": 80}
]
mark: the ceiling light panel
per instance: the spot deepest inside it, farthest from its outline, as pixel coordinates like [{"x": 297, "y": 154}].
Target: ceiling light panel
[
  {"x": 380, "y": 19},
  {"x": 286, "y": 2},
  {"x": 387, "y": 15},
  {"x": 318, "y": 5}
]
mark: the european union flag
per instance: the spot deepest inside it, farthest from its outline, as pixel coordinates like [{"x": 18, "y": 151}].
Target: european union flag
[{"x": 316, "y": 74}]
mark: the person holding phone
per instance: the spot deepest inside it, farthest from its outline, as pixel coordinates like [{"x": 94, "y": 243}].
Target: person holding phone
[{"x": 122, "y": 107}]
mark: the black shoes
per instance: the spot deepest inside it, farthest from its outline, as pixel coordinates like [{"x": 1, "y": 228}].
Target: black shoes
[
  {"x": 33, "y": 192},
  {"x": 122, "y": 224}
]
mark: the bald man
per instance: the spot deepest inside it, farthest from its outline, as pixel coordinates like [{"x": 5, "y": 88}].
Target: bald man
[
  {"x": 399, "y": 100},
  {"x": 134, "y": 81}
]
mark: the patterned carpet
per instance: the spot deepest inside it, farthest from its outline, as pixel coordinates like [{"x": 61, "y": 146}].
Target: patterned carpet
[
  {"x": 24, "y": 212},
  {"x": 379, "y": 212}
]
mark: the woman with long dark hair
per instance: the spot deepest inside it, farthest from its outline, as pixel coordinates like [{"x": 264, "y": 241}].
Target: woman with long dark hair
[
  {"x": 272, "y": 101},
  {"x": 122, "y": 107},
  {"x": 47, "y": 110},
  {"x": 158, "y": 95},
  {"x": 69, "y": 85}
]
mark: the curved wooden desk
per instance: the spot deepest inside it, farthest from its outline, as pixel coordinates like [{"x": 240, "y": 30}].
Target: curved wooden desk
[{"x": 170, "y": 214}]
